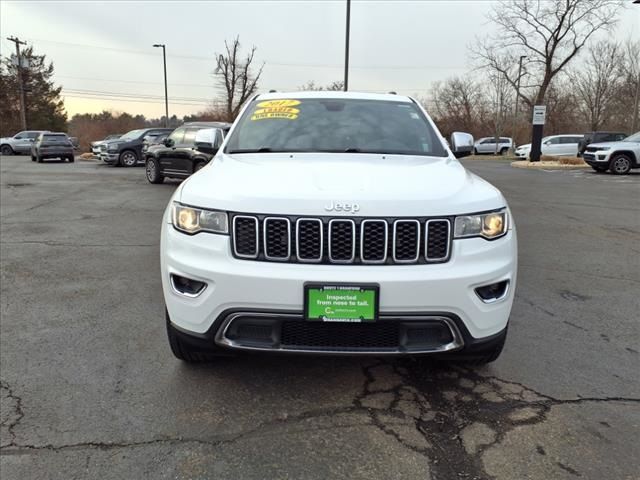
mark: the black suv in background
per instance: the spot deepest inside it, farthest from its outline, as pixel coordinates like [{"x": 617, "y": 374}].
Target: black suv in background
[
  {"x": 149, "y": 141},
  {"x": 599, "y": 137},
  {"x": 179, "y": 155},
  {"x": 126, "y": 151}
]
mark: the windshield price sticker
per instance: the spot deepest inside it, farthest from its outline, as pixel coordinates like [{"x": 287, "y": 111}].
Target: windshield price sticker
[
  {"x": 276, "y": 109},
  {"x": 341, "y": 303}
]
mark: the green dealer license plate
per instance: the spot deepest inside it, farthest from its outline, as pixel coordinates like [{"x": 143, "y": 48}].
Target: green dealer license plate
[{"x": 341, "y": 303}]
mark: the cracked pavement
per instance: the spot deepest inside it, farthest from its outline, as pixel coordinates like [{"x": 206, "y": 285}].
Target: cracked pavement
[{"x": 89, "y": 389}]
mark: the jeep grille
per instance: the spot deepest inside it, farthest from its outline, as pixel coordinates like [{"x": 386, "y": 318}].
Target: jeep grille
[{"x": 326, "y": 240}]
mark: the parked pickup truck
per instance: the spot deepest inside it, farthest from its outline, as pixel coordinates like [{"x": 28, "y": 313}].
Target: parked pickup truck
[
  {"x": 126, "y": 151},
  {"x": 95, "y": 146}
]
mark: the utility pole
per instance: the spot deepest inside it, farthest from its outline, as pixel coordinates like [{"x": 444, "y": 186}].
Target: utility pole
[
  {"x": 636, "y": 105},
  {"x": 23, "y": 101},
  {"x": 346, "y": 49},
  {"x": 166, "y": 96}
]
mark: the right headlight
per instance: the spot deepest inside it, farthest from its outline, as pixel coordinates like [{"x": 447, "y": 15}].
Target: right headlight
[
  {"x": 487, "y": 225},
  {"x": 193, "y": 220}
]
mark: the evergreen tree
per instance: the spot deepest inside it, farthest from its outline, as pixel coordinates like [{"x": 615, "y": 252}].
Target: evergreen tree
[{"x": 45, "y": 108}]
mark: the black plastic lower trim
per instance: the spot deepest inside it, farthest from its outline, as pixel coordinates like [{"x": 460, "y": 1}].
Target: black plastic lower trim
[{"x": 472, "y": 346}]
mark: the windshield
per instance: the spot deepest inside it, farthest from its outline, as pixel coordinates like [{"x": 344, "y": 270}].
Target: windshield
[
  {"x": 132, "y": 134},
  {"x": 633, "y": 138},
  {"x": 335, "y": 125}
]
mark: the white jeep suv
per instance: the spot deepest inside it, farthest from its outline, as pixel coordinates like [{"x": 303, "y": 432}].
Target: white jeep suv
[
  {"x": 617, "y": 157},
  {"x": 338, "y": 223}
]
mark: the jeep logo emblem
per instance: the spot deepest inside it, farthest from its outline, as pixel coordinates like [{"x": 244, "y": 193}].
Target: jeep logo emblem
[{"x": 342, "y": 207}]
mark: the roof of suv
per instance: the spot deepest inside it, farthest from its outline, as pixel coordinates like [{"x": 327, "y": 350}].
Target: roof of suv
[
  {"x": 390, "y": 97},
  {"x": 207, "y": 124}
]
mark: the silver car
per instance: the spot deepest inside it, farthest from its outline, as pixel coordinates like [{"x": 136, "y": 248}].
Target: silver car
[
  {"x": 20, "y": 143},
  {"x": 489, "y": 145}
]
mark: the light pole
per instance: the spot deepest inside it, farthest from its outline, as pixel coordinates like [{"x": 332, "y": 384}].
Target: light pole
[
  {"x": 166, "y": 97},
  {"x": 346, "y": 49},
  {"x": 515, "y": 114}
]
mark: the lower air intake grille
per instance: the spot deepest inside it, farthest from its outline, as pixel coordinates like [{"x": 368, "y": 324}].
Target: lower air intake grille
[{"x": 339, "y": 336}]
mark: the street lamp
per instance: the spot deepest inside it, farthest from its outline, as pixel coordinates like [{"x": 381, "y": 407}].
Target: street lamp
[
  {"x": 522, "y": 57},
  {"x": 346, "y": 48},
  {"x": 166, "y": 97},
  {"x": 515, "y": 114}
]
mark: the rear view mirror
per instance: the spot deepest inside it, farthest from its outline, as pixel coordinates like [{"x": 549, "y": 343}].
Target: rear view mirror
[
  {"x": 461, "y": 144},
  {"x": 208, "y": 140}
]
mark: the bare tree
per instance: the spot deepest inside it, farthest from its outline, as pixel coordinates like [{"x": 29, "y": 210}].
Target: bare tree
[
  {"x": 458, "y": 104},
  {"x": 235, "y": 76},
  {"x": 550, "y": 33},
  {"x": 501, "y": 95},
  {"x": 336, "y": 85},
  {"x": 631, "y": 70},
  {"x": 597, "y": 82}
]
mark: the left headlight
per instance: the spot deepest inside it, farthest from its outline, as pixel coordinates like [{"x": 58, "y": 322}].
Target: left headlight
[
  {"x": 113, "y": 147},
  {"x": 487, "y": 225},
  {"x": 192, "y": 220},
  {"x": 601, "y": 149}
]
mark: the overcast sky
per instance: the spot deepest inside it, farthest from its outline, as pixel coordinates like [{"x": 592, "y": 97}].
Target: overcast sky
[{"x": 105, "y": 48}]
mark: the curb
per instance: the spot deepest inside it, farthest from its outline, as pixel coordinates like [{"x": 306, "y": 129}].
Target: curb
[{"x": 546, "y": 165}]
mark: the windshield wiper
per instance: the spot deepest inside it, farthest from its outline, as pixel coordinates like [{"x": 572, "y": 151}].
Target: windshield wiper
[
  {"x": 251, "y": 150},
  {"x": 352, "y": 150}
]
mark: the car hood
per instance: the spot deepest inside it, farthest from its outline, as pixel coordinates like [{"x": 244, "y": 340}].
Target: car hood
[
  {"x": 615, "y": 144},
  {"x": 5, "y": 139},
  {"x": 306, "y": 184}
]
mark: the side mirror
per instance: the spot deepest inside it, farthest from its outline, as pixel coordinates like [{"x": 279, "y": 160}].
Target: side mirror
[
  {"x": 208, "y": 140},
  {"x": 168, "y": 142},
  {"x": 461, "y": 144}
]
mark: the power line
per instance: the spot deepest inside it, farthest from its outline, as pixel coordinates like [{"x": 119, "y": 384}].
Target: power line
[
  {"x": 268, "y": 63},
  {"x": 136, "y": 81}
]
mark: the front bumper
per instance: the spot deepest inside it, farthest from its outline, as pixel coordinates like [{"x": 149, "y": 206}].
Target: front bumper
[
  {"x": 444, "y": 290},
  {"x": 56, "y": 153},
  {"x": 598, "y": 158},
  {"x": 110, "y": 158}
]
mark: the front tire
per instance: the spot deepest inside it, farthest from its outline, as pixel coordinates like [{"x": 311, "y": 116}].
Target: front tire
[
  {"x": 33, "y": 158},
  {"x": 620, "y": 164},
  {"x": 475, "y": 152},
  {"x": 504, "y": 151},
  {"x": 152, "y": 171},
  {"x": 38, "y": 159},
  {"x": 71, "y": 159},
  {"x": 128, "y": 158}
]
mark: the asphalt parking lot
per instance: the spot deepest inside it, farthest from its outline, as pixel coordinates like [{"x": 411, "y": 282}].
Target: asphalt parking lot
[{"x": 90, "y": 389}]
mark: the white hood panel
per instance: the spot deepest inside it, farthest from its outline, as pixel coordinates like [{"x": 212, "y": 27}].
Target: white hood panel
[{"x": 304, "y": 184}]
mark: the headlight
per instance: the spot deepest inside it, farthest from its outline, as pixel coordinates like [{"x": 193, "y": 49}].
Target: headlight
[
  {"x": 488, "y": 225},
  {"x": 113, "y": 147},
  {"x": 193, "y": 220},
  {"x": 601, "y": 149}
]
